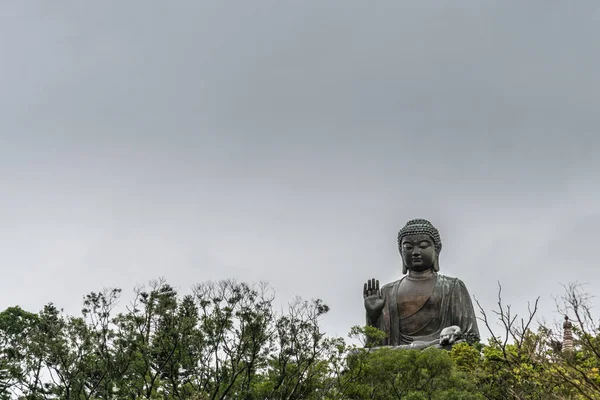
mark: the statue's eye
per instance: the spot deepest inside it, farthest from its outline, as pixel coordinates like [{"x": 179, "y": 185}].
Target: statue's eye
[
  {"x": 408, "y": 247},
  {"x": 424, "y": 245}
]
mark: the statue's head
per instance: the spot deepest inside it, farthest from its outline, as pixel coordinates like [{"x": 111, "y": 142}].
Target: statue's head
[{"x": 420, "y": 246}]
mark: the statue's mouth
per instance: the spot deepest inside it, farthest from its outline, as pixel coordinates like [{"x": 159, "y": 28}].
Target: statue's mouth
[{"x": 419, "y": 259}]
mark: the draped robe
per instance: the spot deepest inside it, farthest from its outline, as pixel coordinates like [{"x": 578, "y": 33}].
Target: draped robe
[{"x": 449, "y": 304}]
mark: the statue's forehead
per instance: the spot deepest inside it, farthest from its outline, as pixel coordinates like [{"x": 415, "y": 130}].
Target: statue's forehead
[{"x": 416, "y": 238}]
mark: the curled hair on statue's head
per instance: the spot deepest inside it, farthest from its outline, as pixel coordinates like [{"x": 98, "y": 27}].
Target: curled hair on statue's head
[{"x": 421, "y": 227}]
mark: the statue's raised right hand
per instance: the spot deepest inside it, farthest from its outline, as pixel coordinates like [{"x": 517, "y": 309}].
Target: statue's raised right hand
[{"x": 374, "y": 301}]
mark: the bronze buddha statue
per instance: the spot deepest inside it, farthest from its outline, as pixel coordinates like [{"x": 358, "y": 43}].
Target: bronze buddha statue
[{"x": 423, "y": 308}]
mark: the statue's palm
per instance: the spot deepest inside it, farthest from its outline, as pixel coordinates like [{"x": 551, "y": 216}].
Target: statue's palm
[{"x": 374, "y": 301}]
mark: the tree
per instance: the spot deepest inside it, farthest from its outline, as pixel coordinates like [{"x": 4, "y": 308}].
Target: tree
[
  {"x": 407, "y": 374},
  {"x": 224, "y": 340},
  {"x": 20, "y": 370},
  {"x": 519, "y": 363}
]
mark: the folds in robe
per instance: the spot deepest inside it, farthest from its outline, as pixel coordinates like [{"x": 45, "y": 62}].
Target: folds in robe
[{"x": 449, "y": 304}]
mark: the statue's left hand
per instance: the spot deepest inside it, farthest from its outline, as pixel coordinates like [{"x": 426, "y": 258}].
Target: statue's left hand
[{"x": 450, "y": 335}]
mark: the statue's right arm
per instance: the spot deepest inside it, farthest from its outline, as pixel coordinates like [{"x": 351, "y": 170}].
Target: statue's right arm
[
  {"x": 373, "y": 316},
  {"x": 374, "y": 301},
  {"x": 371, "y": 321}
]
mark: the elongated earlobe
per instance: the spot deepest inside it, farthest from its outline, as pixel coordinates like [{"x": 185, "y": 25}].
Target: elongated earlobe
[
  {"x": 404, "y": 269},
  {"x": 436, "y": 263}
]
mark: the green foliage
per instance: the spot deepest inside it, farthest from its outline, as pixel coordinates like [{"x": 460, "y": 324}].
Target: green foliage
[
  {"x": 407, "y": 374},
  {"x": 369, "y": 336},
  {"x": 226, "y": 341},
  {"x": 223, "y": 341}
]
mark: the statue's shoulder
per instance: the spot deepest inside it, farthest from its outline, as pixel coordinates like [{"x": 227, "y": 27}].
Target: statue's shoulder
[
  {"x": 451, "y": 282},
  {"x": 449, "y": 279},
  {"x": 390, "y": 285}
]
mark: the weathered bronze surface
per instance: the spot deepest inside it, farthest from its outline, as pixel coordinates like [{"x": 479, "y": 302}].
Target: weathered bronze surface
[{"x": 423, "y": 308}]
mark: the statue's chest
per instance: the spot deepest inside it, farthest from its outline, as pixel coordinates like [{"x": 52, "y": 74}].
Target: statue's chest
[{"x": 416, "y": 296}]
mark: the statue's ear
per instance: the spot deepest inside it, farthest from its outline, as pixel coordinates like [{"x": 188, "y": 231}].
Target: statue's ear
[
  {"x": 436, "y": 263},
  {"x": 404, "y": 268}
]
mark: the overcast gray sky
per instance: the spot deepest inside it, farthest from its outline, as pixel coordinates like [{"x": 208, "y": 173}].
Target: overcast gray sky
[{"x": 289, "y": 141}]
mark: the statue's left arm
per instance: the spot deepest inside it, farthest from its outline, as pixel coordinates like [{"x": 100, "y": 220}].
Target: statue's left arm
[{"x": 463, "y": 312}]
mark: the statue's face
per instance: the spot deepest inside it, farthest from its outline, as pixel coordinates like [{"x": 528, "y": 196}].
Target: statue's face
[{"x": 418, "y": 252}]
